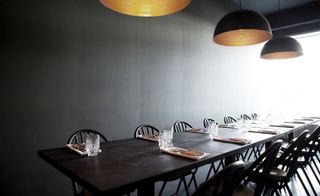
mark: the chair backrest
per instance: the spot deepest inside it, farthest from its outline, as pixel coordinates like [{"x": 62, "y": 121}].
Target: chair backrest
[
  {"x": 262, "y": 166},
  {"x": 224, "y": 182},
  {"x": 79, "y": 136},
  {"x": 229, "y": 119},
  {"x": 311, "y": 145},
  {"x": 254, "y": 116},
  {"x": 207, "y": 121},
  {"x": 180, "y": 126},
  {"x": 146, "y": 129},
  {"x": 245, "y": 117}
]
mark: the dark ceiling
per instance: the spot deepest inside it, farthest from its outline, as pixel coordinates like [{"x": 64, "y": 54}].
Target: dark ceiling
[
  {"x": 269, "y": 6},
  {"x": 287, "y": 17}
]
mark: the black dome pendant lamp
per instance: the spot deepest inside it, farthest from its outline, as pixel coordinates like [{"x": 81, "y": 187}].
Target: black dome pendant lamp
[
  {"x": 281, "y": 47},
  {"x": 242, "y": 27}
]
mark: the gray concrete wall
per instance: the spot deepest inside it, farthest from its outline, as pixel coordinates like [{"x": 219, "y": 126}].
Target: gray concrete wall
[{"x": 71, "y": 64}]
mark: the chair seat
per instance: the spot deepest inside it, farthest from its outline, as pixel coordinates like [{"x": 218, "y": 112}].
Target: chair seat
[
  {"x": 277, "y": 174},
  {"x": 243, "y": 190}
]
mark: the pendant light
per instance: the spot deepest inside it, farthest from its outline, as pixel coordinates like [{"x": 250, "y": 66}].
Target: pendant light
[
  {"x": 146, "y": 8},
  {"x": 242, "y": 27},
  {"x": 281, "y": 47}
]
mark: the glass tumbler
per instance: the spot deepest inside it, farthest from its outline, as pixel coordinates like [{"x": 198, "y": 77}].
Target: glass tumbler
[
  {"x": 213, "y": 130},
  {"x": 92, "y": 144},
  {"x": 165, "y": 138}
]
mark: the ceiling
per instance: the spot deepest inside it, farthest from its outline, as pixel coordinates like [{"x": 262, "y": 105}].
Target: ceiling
[{"x": 269, "y": 6}]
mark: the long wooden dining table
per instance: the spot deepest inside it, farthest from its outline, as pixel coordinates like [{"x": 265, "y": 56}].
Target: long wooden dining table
[{"x": 124, "y": 165}]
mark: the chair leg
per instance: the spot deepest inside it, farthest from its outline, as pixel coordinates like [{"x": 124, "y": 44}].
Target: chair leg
[
  {"x": 162, "y": 187},
  {"x": 308, "y": 179},
  {"x": 75, "y": 188},
  {"x": 315, "y": 164},
  {"x": 314, "y": 173},
  {"x": 301, "y": 181},
  {"x": 277, "y": 192},
  {"x": 288, "y": 189}
]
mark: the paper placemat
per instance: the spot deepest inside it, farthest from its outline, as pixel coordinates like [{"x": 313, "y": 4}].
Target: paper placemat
[
  {"x": 196, "y": 130},
  {"x": 187, "y": 153},
  {"x": 295, "y": 122},
  {"x": 304, "y": 119},
  {"x": 230, "y": 126},
  {"x": 264, "y": 131},
  {"x": 283, "y": 126},
  {"x": 239, "y": 141},
  {"x": 314, "y": 117},
  {"x": 79, "y": 148},
  {"x": 152, "y": 138}
]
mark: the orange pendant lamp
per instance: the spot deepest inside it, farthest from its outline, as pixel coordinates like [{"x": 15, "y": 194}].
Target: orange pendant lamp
[{"x": 146, "y": 8}]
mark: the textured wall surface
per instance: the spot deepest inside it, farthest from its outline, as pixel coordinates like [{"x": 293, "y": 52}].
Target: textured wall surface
[{"x": 71, "y": 64}]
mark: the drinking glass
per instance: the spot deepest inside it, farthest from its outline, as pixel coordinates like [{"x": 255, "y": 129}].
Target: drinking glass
[
  {"x": 213, "y": 129},
  {"x": 92, "y": 144},
  {"x": 240, "y": 123},
  {"x": 165, "y": 138}
]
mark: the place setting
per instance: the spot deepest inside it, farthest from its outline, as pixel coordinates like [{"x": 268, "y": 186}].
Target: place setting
[
  {"x": 213, "y": 130},
  {"x": 282, "y": 126},
  {"x": 263, "y": 131},
  {"x": 166, "y": 146},
  {"x": 197, "y": 130},
  {"x": 148, "y": 137},
  {"x": 90, "y": 147}
]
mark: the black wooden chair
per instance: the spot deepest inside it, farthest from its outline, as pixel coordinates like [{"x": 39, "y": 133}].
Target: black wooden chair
[
  {"x": 284, "y": 168},
  {"x": 245, "y": 117},
  {"x": 234, "y": 178},
  {"x": 245, "y": 156},
  {"x": 180, "y": 126},
  {"x": 260, "y": 169},
  {"x": 78, "y": 137},
  {"x": 146, "y": 129},
  {"x": 151, "y": 130},
  {"x": 254, "y": 116},
  {"x": 207, "y": 121},
  {"x": 229, "y": 119},
  {"x": 305, "y": 159},
  {"x": 215, "y": 166},
  {"x": 226, "y": 182}
]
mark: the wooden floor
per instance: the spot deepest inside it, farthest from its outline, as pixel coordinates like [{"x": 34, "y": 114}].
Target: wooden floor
[{"x": 294, "y": 185}]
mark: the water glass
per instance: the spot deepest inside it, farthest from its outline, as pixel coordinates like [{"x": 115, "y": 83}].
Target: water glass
[
  {"x": 165, "y": 138},
  {"x": 213, "y": 130},
  {"x": 240, "y": 123},
  {"x": 92, "y": 144}
]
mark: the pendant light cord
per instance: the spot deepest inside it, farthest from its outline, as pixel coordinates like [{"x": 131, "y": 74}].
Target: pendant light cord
[{"x": 240, "y": 4}]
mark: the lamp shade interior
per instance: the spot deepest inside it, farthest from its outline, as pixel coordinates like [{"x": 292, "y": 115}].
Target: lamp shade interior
[
  {"x": 242, "y": 27},
  {"x": 281, "y": 48},
  {"x": 146, "y": 8}
]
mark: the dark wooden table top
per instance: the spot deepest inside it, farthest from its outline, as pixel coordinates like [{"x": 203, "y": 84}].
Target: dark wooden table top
[{"x": 130, "y": 163}]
